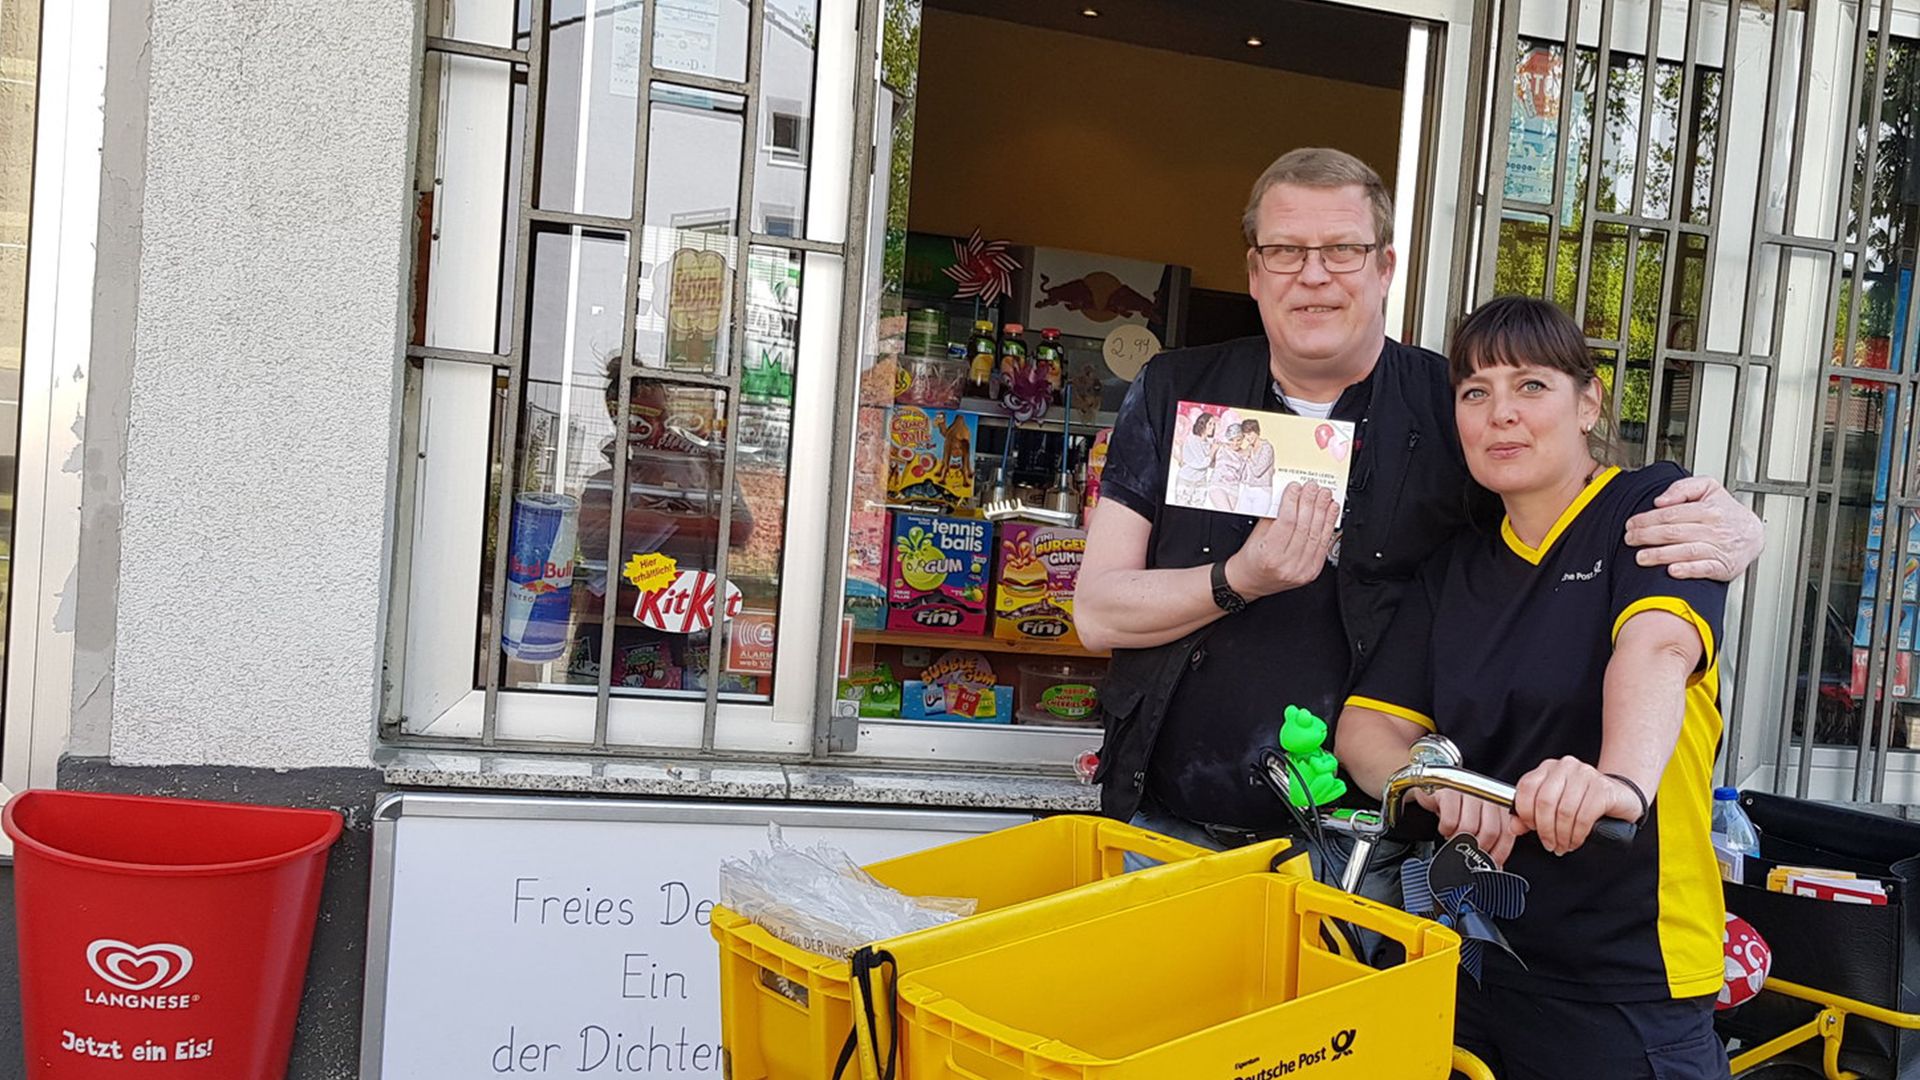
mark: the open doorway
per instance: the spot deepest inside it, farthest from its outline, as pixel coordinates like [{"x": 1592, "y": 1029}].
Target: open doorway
[
  {"x": 1133, "y": 128},
  {"x": 1057, "y": 197}
]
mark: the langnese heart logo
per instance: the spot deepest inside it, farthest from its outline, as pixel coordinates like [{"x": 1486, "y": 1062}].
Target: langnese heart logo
[{"x": 139, "y": 967}]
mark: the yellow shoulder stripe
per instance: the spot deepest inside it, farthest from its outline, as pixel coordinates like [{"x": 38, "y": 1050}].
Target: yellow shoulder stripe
[
  {"x": 1673, "y": 605},
  {"x": 1410, "y": 716}
]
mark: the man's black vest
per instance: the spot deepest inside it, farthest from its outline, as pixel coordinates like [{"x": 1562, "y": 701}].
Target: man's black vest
[{"x": 1408, "y": 491}]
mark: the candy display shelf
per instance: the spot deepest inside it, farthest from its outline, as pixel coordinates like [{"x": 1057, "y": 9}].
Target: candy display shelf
[
  {"x": 984, "y": 644},
  {"x": 990, "y": 412}
]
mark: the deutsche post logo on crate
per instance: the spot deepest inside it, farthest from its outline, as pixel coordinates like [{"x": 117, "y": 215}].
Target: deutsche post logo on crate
[{"x": 1339, "y": 1045}]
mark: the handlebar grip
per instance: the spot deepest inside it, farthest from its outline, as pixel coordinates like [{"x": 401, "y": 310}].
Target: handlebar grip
[{"x": 1614, "y": 832}]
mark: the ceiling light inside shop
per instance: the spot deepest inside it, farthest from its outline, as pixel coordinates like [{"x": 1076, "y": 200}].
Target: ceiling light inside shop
[
  {"x": 1253, "y": 41},
  {"x": 1091, "y": 13}
]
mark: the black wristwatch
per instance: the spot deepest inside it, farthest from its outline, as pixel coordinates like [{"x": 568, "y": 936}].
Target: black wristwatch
[{"x": 1223, "y": 595}]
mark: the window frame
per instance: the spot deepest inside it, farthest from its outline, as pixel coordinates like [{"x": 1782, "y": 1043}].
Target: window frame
[{"x": 453, "y": 392}]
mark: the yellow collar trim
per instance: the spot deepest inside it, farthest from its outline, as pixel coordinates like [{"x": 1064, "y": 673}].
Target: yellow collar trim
[{"x": 1567, "y": 516}]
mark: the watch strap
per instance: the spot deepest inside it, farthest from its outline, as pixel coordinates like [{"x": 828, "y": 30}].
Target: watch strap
[{"x": 1224, "y": 595}]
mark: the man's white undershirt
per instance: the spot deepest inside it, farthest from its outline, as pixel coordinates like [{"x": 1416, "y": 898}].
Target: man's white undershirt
[{"x": 1318, "y": 410}]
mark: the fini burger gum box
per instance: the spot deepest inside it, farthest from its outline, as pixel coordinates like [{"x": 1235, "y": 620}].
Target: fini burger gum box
[
  {"x": 937, "y": 574},
  {"x": 1033, "y": 588}
]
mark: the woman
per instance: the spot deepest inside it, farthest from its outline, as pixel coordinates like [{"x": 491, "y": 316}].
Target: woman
[
  {"x": 1556, "y": 662},
  {"x": 1196, "y": 457},
  {"x": 1229, "y": 467}
]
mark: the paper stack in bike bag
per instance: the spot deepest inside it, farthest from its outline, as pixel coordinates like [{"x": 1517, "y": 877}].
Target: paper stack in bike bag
[{"x": 1824, "y": 884}]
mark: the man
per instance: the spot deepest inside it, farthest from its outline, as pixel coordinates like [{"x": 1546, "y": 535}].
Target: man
[
  {"x": 1256, "y": 487},
  {"x": 1218, "y": 621}
]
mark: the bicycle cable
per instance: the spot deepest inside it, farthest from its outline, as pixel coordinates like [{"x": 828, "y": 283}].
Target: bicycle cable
[{"x": 1312, "y": 832}]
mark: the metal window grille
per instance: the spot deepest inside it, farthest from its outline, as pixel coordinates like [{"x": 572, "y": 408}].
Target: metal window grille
[
  {"x": 529, "y": 220},
  {"x": 1853, "y": 390}
]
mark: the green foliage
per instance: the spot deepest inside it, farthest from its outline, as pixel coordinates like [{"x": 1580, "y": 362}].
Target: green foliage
[
  {"x": 900, "y": 73},
  {"x": 1894, "y": 213},
  {"x": 1520, "y": 265}
]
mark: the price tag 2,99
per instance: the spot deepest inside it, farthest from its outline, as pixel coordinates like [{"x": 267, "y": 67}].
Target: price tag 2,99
[{"x": 1127, "y": 350}]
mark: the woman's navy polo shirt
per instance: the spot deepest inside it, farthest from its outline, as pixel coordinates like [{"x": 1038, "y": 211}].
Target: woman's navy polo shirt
[{"x": 1504, "y": 649}]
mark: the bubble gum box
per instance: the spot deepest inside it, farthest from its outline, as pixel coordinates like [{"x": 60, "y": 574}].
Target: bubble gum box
[
  {"x": 930, "y": 456},
  {"x": 1033, "y": 590},
  {"x": 938, "y": 575}
]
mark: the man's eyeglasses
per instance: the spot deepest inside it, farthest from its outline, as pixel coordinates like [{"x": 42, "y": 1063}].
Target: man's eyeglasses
[{"x": 1292, "y": 258}]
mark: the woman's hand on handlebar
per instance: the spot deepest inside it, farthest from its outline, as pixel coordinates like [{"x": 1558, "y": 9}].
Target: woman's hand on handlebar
[
  {"x": 1562, "y": 798},
  {"x": 1492, "y": 826}
]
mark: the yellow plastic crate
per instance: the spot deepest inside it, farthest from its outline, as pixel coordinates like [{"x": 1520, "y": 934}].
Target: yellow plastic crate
[
  {"x": 1230, "y": 980},
  {"x": 786, "y": 1012}
]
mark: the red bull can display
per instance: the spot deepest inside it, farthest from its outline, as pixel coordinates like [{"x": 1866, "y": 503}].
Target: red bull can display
[{"x": 545, "y": 539}]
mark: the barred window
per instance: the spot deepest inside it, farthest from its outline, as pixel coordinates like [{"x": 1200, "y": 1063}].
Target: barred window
[{"x": 616, "y": 305}]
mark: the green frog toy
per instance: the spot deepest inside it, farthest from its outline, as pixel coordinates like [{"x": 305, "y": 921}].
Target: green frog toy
[{"x": 1304, "y": 738}]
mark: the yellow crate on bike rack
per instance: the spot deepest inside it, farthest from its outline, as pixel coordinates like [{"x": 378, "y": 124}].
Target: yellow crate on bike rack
[
  {"x": 1231, "y": 980},
  {"x": 786, "y": 1012}
]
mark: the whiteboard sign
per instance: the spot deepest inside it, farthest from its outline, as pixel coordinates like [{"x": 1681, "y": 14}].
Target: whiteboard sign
[{"x": 569, "y": 937}]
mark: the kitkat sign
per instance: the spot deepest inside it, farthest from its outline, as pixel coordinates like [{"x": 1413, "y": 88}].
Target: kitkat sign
[{"x": 686, "y": 606}]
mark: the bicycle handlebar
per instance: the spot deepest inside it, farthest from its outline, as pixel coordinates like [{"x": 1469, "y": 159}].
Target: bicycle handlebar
[{"x": 1435, "y": 765}]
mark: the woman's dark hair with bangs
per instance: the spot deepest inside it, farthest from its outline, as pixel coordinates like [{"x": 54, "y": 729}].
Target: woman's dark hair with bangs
[{"x": 1511, "y": 331}]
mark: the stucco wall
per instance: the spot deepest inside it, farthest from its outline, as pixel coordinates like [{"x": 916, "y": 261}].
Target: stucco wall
[{"x": 264, "y": 380}]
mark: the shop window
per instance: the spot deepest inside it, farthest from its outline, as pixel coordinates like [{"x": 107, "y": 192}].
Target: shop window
[
  {"x": 1861, "y": 574},
  {"x": 1864, "y": 563},
  {"x": 1632, "y": 275},
  {"x": 1798, "y": 389},
  {"x": 601, "y": 395}
]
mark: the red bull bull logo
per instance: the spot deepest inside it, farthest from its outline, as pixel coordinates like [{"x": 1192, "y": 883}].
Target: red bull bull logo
[{"x": 1099, "y": 296}]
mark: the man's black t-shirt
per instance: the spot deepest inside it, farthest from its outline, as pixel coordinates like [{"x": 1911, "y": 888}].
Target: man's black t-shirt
[{"x": 1285, "y": 649}]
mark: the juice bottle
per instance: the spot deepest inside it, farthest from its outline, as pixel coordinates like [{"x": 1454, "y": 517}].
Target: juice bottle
[
  {"x": 1051, "y": 357},
  {"x": 1013, "y": 354},
  {"x": 980, "y": 381}
]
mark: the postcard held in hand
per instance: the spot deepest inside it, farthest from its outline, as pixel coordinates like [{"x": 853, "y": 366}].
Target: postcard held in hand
[{"x": 1240, "y": 461}]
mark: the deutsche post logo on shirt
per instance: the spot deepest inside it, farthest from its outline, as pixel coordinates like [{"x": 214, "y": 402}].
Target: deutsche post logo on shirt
[{"x": 1585, "y": 575}]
